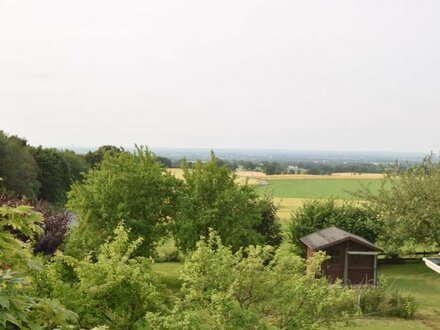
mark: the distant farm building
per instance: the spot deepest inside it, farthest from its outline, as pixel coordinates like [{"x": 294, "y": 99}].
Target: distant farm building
[{"x": 353, "y": 259}]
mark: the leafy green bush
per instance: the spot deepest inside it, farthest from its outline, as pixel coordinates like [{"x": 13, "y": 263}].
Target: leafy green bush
[
  {"x": 316, "y": 215},
  {"x": 116, "y": 289},
  {"x": 408, "y": 201},
  {"x": 211, "y": 198},
  {"x": 269, "y": 226},
  {"x": 385, "y": 301},
  {"x": 243, "y": 290},
  {"x": 130, "y": 187}
]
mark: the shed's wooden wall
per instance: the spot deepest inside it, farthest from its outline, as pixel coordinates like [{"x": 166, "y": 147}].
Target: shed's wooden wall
[
  {"x": 360, "y": 267},
  {"x": 334, "y": 267}
]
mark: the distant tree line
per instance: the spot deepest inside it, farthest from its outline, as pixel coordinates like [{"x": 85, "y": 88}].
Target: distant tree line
[
  {"x": 314, "y": 168},
  {"x": 39, "y": 173},
  {"x": 329, "y": 168}
]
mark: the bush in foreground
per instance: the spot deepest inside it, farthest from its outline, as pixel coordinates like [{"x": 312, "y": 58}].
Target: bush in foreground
[
  {"x": 211, "y": 198},
  {"x": 252, "y": 289},
  {"x": 116, "y": 289},
  {"x": 125, "y": 186},
  {"x": 20, "y": 306}
]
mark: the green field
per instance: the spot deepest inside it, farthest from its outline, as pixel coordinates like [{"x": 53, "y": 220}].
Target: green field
[{"x": 317, "y": 188}]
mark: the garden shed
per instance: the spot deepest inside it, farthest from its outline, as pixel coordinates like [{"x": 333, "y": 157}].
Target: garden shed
[{"x": 352, "y": 258}]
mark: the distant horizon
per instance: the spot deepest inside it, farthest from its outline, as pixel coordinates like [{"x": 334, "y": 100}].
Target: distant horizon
[
  {"x": 284, "y": 155},
  {"x": 84, "y": 148},
  {"x": 91, "y": 148}
]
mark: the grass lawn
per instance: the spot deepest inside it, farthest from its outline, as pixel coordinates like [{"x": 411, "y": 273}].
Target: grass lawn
[
  {"x": 423, "y": 284},
  {"x": 317, "y": 188},
  {"x": 168, "y": 273}
]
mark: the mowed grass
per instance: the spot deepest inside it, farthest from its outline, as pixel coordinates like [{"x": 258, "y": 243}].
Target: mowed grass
[
  {"x": 318, "y": 188},
  {"x": 417, "y": 280},
  {"x": 168, "y": 273}
]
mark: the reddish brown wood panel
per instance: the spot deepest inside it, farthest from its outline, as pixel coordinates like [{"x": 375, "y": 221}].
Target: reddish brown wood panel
[
  {"x": 360, "y": 276},
  {"x": 360, "y": 267},
  {"x": 310, "y": 252},
  {"x": 334, "y": 267}
]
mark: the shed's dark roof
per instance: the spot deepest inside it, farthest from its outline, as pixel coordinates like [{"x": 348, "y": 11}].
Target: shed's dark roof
[{"x": 331, "y": 236}]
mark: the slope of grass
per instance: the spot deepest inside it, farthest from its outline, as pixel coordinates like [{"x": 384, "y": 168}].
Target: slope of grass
[{"x": 169, "y": 274}]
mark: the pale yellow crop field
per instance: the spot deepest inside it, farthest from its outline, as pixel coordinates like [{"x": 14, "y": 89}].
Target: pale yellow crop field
[
  {"x": 177, "y": 172},
  {"x": 252, "y": 180},
  {"x": 251, "y": 174},
  {"x": 287, "y": 205}
]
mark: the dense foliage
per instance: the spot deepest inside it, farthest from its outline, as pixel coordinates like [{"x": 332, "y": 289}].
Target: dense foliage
[
  {"x": 211, "y": 198},
  {"x": 409, "y": 203},
  {"x": 54, "y": 225},
  {"x": 243, "y": 290},
  {"x": 269, "y": 226},
  {"x": 53, "y": 175},
  {"x": 115, "y": 289},
  {"x": 77, "y": 164},
  {"x": 37, "y": 173},
  {"x": 94, "y": 158},
  {"x": 125, "y": 186},
  {"x": 18, "y": 168},
  {"x": 319, "y": 214},
  {"x": 19, "y": 307}
]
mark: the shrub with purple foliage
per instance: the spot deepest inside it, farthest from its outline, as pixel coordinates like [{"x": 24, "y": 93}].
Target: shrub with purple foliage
[{"x": 55, "y": 225}]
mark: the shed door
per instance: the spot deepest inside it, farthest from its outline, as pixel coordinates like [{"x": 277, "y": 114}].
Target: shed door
[
  {"x": 361, "y": 269},
  {"x": 334, "y": 268}
]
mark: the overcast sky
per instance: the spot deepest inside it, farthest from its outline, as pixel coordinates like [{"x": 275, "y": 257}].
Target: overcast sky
[{"x": 318, "y": 75}]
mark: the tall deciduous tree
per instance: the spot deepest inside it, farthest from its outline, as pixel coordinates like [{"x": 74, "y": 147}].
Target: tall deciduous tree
[
  {"x": 269, "y": 226},
  {"x": 93, "y": 158},
  {"x": 53, "y": 175},
  {"x": 130, "y": 187},
  {"x": 76, "y": 163},
  {"x": 211, "y": 198},
  {"x": 409, "y": 203}
]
